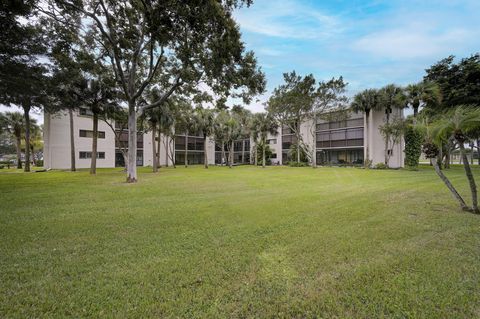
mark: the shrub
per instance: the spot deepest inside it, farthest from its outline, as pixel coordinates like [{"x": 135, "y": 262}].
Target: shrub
[
  {"x": 380, "y": 166},
  {"x": 2, "y": 167},
  {"x": 296, "y": 164},
  {"x": 413, "y": 146},
  {"x": 39, "y": 163}
]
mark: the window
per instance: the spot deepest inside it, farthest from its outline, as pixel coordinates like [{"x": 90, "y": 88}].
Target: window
[
  {"x": 85, "y": 112},
  {"x": 88, "y": 133},
  {"x": 274, "y": 155},
  {"x": 87, "y": 155},
  {"x": 272, "y": 141}
]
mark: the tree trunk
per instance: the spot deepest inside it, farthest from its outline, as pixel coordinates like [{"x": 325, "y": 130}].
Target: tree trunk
[
  {"x": 387, "y": 136},
  {"x": 172, "y": 151},
  {"x": 132, "y": 144},
  {"x": 167, "y": 153},
  {"x": 205, "y": 157},
  {"x": 314, "y": 148},
  {"x": 186, "y": 149},
  {"x": 256, "y": 154},
  {"x": 471, "y": 180},
  {"x": 449, "y": 185},
  {"x": 159, "y": 146},
  {"x": 232, "y": 145},
  {"x": 243, "y": 151},
  {"x": 224, "y": 156},
  {"x": 471, "y": 148},
  {"x": 19, "y": 151},
  {"x": 298, "y": 150},
  {"x": 26, "y": 111},
  {"x": 93, "y": 163},
  {"x": 263, "y": 152},
  {"x": 32, "y": 151},
  {"x": 73, "y": 167},
  {"x": 154, "y": 148}
]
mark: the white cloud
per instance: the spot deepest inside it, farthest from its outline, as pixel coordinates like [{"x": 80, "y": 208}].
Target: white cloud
[
  {"x": 286, "y": 19},
  {"x": 407, "y": 43}
]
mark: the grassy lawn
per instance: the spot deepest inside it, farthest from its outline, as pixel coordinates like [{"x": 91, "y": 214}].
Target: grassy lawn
[{"x": 236, "y": 243}]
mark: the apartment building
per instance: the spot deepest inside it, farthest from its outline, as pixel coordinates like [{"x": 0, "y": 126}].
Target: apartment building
[{"x": 342, "y": 141}]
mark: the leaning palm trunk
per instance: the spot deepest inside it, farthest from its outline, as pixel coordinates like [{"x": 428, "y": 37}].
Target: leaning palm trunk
[
  {"x": 449, "y": 185},
  {"x": 72, "y": 142},
  {"x": 387, "y": 138},
  {"x": 93, "y": 163},
  {"x": 366, "y": 161},
  {"x": 471, "y": 180},
  {"x": 19, "y": 152}
]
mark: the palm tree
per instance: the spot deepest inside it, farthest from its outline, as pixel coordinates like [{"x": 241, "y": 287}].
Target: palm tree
[
  {"x": 244, "y": 117},
  {"x": 205, "y": 121},
  {"x": 459, "y": 124},
  {"x": 14, "y": 123},
  {"x": 186, "y": 122},
  {"x": 391, "y": 97},
  {"x": 262, "y": 125},
  {"x": 220, "y": 131},
  {"x": 421, "y": 94},
  {"x": 366, "y": 101}
]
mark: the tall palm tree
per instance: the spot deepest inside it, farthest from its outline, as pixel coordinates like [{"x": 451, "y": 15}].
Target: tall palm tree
[
  {"x": 220, "y": 131},
  {"x": 391, "y": 97},
  {"x": 205, "y": 121},
  {"x": 459, "y": 124},
  {"x": 365, "y": 102},
  {"x": 14, "y": 123},
  {"x": 262, "y": 125},
  {"x": 421, "y": 94},
  {"x": 187, "y": 124}
]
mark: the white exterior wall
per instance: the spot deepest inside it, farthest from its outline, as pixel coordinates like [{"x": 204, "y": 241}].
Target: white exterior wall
[
  {"x": 376, "y": 143},
  {"x": 57, "y": 141}
]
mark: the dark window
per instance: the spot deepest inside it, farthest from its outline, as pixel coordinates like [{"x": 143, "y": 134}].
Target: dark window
[
  {"x": 86, "y": 155},
  {"x": 274, "y": 155},
  {"x": 85, "y": 112},
  {"x": 272, "y": 141},
  {"x": 88, "y": 133}
]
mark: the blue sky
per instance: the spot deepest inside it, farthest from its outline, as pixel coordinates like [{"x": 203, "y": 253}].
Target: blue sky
[{"x": 369, "y": 43}]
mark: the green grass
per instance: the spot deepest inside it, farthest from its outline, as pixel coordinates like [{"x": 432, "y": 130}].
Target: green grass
[{"x": 235, "y": 243}]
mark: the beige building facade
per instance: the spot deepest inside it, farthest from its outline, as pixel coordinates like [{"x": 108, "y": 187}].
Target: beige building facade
[{"x": 336, "y": 142}]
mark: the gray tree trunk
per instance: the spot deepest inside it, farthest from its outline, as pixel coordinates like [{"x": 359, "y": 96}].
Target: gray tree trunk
[
  {"x": 73, "y": 166},
  {"x": 256, "y": 154},
  {"x": 224, "y": 156},
  {"x": 154, "y": 149},
  {"x": 387, "y": 136},
  {"x": 186, "y": 148},
  {"x": 26, "y": 111},
  {"x": 243, "y": 151},
  {"x": 232, "y": 145},
  {"x": 167, "y": 155},
  {"x": 132, "y": 144},
  {"x": 298, "y": 150},
  {"x": 93, "y": 162},
  {"x": 449, "y": 185},
  {"x": 471, "y": 180},
  {"x": 159, "y": 146},
  {"x": 472, "y": 151},
  {"x": 205, "y": 157},
  {"x": 19, "y": 152},
  {"x": 263, "y": 152}
]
